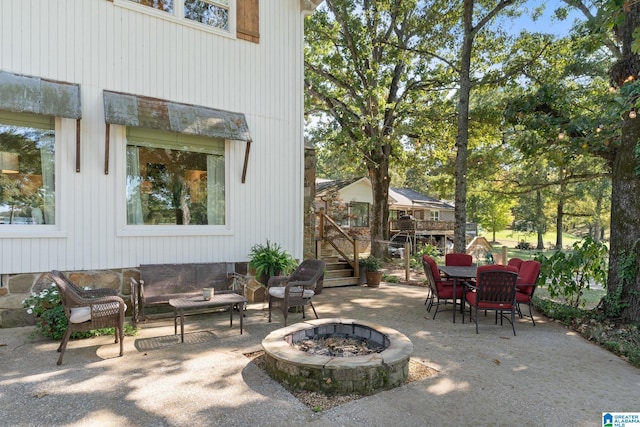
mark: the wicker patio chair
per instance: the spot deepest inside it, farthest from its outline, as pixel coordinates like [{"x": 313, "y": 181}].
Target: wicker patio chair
[
  {"x": 297, "y": 289},
  {"x": 88, "y": 312}
]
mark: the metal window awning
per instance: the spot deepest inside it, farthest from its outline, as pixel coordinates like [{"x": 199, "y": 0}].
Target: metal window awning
[
  {"x": 141, "y": 111},
  {"x": 29, "y": 94}
]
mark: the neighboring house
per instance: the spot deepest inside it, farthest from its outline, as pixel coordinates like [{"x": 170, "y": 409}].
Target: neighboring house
[
  {"x": 348, "y": 203},
  {"x": 138, "y": 132}
]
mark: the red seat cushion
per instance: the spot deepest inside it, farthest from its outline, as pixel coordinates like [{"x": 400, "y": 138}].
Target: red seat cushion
[{"x": 471, "y": 298}]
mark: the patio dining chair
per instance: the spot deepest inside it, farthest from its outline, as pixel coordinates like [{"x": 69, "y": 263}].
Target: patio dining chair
[
  {"x": 515, "y": 262},
  {"x": 88, "y": 311},
  {"x": 495, "y": 289},
  {"x": 296, "y": 289},
  {"x": 526, "y": 285},
  {"x": 439, "y": 289},
  {"x": 458, "y": 259}
]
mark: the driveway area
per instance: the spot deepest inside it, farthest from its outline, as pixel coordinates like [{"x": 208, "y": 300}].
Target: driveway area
[{"x": 544, "y": 376}]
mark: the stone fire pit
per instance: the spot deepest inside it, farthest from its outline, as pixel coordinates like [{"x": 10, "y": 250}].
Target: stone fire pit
[{"x": 299, "y": 370}]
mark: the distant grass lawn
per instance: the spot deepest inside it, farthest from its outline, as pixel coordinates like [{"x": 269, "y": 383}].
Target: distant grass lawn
[{"x": 511, "y": 238}]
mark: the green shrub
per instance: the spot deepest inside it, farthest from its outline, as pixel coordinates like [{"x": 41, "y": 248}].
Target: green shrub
[
  {"x": 568, "y": 274},
  {"x": 427, "y": 249},
  {"x": 390, "y": 279},
  {"x": 372, "y": 263},
  {"x": 270, "y": 260}
]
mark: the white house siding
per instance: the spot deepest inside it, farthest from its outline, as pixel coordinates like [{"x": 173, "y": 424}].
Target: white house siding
[{"x": 101, "y": 45}]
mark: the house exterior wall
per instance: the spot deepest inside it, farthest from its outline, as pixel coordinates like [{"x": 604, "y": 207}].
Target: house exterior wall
[{"x": 105, "y": 45}]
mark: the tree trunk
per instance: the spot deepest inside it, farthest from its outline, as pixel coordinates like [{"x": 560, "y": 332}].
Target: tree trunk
[
  {"x": 625, "y": 184},
  {"x": 559, "y": 221},
  {"x": 462, "y": 138},
  {"x": 379, "y": 177},
  {"x": 596, "y": 221},
  {"x": 540, "y": 220}
]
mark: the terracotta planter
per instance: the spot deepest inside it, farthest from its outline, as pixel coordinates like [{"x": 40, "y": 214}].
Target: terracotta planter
[{"x": 374, "y": 278}]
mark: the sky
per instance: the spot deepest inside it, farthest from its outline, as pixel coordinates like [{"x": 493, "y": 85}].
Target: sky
[{"x": 547, "y": 23}]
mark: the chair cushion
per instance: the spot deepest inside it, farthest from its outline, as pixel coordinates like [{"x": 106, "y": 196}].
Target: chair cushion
[
  {"x": 80, "y": 314},
  {"x": 278, "y": 292},
  {"x": 523, "y": 297},
  {"x": 471, "y": 298},
  {"x": 83, "y": 314}
]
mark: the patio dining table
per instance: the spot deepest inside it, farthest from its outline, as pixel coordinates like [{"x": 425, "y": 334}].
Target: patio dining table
[{"x": 458, "y": 273}]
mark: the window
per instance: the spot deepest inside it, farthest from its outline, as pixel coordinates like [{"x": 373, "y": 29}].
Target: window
[
  {"x": 213, "y": 13},
  {"x": 27, "y": 169},
  {"x": 435, "y": 215},
  {"x": 359, "y": 214},
  {"x": 174, "y": 179}
]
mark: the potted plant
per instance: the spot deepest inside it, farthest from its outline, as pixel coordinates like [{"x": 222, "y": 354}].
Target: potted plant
[
  {"x": 373, "y": 274},
  {"x": 270, "y": 260}
]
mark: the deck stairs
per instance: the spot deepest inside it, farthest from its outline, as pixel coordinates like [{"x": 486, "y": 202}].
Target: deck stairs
[{"x": 338, "y": 271}]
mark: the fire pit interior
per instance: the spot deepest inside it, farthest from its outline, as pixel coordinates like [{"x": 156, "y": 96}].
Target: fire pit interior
[{"x": 338, "y": 356}]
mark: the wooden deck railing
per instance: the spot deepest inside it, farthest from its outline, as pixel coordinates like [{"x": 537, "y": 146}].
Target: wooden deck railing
[
  {"x": 330, "y": 232},
  {"x": 423, "y": 225}
]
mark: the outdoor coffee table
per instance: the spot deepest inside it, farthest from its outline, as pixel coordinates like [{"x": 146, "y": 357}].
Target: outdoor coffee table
[{"x": 218, "y": 300}]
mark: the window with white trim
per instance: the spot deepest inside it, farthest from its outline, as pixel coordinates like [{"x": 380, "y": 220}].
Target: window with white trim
[
  {"x": 435, "y": 215},
  {"x": 27, "y": 169},
  {"x": 174, "y": 179},
  {"x": 213, "y": 13}
]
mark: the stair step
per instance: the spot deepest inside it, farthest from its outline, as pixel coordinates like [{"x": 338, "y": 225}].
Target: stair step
[
  {"x": 337, "y": 266},
  {"x": 343, "y": 281},
  {"x": 333, "y": 274}
]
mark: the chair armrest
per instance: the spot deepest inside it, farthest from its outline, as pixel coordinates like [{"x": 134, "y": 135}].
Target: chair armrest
[
  {"x": 99, "y": 292},
  {"x": 277, "y": 281}
]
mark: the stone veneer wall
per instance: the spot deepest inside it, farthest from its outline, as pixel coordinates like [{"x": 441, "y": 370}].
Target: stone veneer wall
[{"x": 14, "y": 288}]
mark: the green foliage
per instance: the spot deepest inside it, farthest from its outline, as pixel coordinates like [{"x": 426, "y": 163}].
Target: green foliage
[
  {"x": 568, "y": 274},
  {"x": 558, "y": 311},
  {"x": 390, "y": 279},
  {"x": 627, "y": 272},
  {"x": 427, "y": 249},
  {"x": 372, "y": 263},
  {"x": 270, "y": 259},
  {"x": 51, "y": 321}
]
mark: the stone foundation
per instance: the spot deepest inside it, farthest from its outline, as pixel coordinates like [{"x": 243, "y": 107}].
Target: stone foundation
[{"x": 14, "y": 288}]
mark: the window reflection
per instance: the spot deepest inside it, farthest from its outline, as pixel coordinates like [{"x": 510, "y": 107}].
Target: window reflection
[
  {"x": 213, "y": 15},
  {"x": 164, "y": 5},
  {"x": 27, "y": 164},
  {"x": 177, "y": 185}
]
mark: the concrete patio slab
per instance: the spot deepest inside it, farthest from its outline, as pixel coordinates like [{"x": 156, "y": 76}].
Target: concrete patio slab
[{"x": 547, "y": 375}]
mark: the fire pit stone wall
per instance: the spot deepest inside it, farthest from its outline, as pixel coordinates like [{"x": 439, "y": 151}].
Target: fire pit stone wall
[{"x": 338, "y": 375}]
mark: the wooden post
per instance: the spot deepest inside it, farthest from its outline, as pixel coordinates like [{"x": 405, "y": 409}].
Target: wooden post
[
  {"x": 504, "y": 255},
  {"x": 407, "y": 256}
]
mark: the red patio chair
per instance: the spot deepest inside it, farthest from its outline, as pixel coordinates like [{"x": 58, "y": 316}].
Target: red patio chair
[
  {"x": 526, "y": 285},
  {"x": 515, "y": 262},
  {"x": 495, "y": 289},
  {"x": 458, "y": 259},
  {"x": 439, "y": 288}
]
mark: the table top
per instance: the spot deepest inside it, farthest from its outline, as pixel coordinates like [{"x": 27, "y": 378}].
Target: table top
[
  {"x": 199, "y": 301},
  {"x": 459, "y": 271}
]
